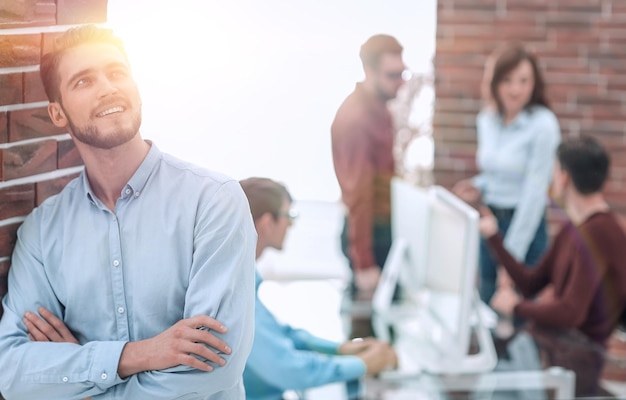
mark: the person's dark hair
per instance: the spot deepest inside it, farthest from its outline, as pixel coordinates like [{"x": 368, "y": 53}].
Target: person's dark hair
[
  {"x": 73, "y": 37},
  {"x": 507, "y": 59},
  {"x": 586, "y": 161},
  {"x": 264, "y": 196},
  {"x": 377, "y": 45}
]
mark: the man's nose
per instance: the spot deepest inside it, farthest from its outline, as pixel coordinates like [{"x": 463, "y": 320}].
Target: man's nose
[{"x": 106, "y": 87}]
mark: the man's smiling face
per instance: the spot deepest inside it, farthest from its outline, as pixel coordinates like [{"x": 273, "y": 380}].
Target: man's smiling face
[{"x": 99, "y": 100}]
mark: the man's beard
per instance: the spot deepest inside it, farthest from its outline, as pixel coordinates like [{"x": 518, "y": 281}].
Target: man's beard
[
  {"x": 384, "y": 97},
  {"x": 90, "y": 135}
]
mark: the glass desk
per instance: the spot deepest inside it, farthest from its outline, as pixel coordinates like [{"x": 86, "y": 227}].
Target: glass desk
[
  {"x": 552, "y": 383},
  {"x": 532, "y": 363}
]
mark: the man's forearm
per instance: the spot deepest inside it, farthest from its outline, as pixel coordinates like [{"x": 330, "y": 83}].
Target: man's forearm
[{"x": 131, "y": 360}]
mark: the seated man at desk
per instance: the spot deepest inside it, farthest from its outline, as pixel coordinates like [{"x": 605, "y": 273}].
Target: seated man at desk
[
  {"x": 284, "y": 358},
  {"x": 585, "y": 263}
]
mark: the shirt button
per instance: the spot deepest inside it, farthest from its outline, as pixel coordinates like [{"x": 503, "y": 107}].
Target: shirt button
[
  {"x": 66, "y": 379},
  {"x": 137, "y": 194},
  {"x": 116, "y": 263},
  {"x": 128, "y": 191},
  {"x": 120, "y": 310},
  {"x": 103, "y": 376}
]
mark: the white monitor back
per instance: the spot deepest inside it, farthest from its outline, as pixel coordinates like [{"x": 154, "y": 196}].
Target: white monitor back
[
  {"x": 451, "y": 267},
  {"x": 434, "y": 259}
]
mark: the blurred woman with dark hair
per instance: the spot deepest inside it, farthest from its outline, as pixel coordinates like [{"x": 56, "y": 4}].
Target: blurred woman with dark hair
[{"x": 517, "y": 138}]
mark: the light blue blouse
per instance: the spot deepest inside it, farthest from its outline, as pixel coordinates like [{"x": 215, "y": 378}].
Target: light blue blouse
[
  {"x": 284, "y": 358},
  {"x": 516, "y": 163},
  {"x": 181, "y": 242}
]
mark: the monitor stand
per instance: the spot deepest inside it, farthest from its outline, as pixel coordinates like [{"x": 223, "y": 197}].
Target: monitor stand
[
  {"x": 410, "y": 334},
  {"x": 409, "y": 327},
  {"x": 484, "y": 360}
]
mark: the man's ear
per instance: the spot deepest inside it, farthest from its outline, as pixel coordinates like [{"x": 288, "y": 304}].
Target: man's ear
[
  {"x": 567, "y": 181},
  {"x": 57, "y": 115},
  {"x": 265, "y": 220}
]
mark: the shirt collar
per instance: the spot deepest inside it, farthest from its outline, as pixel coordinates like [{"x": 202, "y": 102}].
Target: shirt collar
[
  {"x": 139, "y": 179},
  {"x": 520, "y": 120},
  {"x": 136, "y": 183}
]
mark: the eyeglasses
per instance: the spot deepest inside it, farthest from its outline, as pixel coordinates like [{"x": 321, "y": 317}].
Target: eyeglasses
[
  {"x": 291, "y": 215},
  {"x": 404, "y": 75}
]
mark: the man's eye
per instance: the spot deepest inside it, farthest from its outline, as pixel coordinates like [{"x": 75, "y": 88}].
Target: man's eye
[
  {"x": 118, "y": 74},
  {"x": 82, "y": 82}
]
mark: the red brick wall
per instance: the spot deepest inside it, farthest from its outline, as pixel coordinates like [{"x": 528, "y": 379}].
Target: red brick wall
[
  {"x": 36, "y": 158},
  {"x": 581, "y": 46}
]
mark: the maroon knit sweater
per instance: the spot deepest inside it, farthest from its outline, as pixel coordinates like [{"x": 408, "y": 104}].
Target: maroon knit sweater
[{"x": 586, "y": 264}]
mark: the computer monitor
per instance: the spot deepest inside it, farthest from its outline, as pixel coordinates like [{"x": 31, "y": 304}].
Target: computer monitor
[{"x": 434, "y": 260}]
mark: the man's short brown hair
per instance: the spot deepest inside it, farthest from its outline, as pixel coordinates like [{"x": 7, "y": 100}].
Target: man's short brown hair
[
  {"x": 377, "y": 45},
  {"x": 73, "y": 37},
  {"x": 264, "y": 196}
]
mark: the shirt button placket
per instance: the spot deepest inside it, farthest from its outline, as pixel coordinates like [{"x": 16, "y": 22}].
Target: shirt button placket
[{"x": 117, "y": 280}]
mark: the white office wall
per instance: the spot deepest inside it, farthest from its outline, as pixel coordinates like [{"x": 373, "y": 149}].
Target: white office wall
[{"x": 250, "y": 87}]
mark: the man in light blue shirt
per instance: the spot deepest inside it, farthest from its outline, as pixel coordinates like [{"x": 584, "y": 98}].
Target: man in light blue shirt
[
  {"x": 139, "y": 257},
  {"x": 284, "y": 358}
]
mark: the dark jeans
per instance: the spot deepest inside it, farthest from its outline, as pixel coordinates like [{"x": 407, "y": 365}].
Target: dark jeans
[
  {"x": 381, "y": 242},
  {"x": 488, "y": 265}
]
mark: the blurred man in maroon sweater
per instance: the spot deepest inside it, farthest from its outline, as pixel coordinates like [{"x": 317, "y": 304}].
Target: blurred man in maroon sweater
[{"x": 362, "y": 142}]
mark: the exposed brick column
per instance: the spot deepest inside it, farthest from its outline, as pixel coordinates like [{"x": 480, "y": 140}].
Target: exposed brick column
[
  {"x": 36, "y": 158},
  {"x": 581, "y": 45}
]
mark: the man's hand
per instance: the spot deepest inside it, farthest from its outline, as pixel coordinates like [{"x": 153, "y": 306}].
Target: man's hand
[
  {"x": 504, "y": 279},
  {"x": 488, "y": 224},
  {"x": 546, "y": 295},
  {"x": 46, "y": 327},
  {"x": 378, "y": 357},
  {"x": 178, "y": 345},
  {"x": 367, "y": 279},
  {"x": 467, "y": 192},
  {"x": 355, "y": 346},
  {"x": 504, "y": 300}
]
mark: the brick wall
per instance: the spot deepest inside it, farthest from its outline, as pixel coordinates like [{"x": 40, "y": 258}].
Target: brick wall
[
  {"x": 581, "y": 46},
  {"x": 36, "y": 158}
]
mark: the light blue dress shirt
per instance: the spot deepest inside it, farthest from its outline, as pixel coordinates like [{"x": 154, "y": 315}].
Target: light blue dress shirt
[
  {"x": 284, "y": 358},
  {"x": 181, "y": 242},
  {"x": 516, "y": 163}
]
